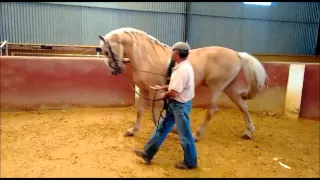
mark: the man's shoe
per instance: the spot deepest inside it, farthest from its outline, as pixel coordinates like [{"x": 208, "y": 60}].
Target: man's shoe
[
  {"x": 142, "y": 155},
  {"x": 182, "y": 165}
]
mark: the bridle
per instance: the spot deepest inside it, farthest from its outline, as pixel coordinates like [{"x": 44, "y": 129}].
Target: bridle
[
  {"x": 117, "y": 69},
  {"x": 114, "y": 63}
]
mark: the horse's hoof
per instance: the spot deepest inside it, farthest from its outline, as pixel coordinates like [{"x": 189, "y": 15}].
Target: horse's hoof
[
  {"x": 128, "y": 134},
  {"x": 246, "y": 137}
]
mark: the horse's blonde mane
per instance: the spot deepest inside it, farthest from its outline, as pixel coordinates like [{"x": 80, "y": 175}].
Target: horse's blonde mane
[
  {"x": 131, "y": 31},
  {"x": 134, "y": 33}
]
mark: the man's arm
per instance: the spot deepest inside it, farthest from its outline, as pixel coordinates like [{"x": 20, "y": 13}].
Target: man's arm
[
  {"x": 163, "y": 88},
  {"x": 170, "y": 94}
]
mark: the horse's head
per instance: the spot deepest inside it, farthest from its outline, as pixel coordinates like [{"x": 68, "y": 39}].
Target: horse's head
[
  {"x": 135, "y": 44},
  {"x": 112, "y": 48}
]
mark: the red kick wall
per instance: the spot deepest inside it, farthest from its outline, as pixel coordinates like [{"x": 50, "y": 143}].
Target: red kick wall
[
  {"x": 310, "y": 102},
  {"x": 29, "y": 83}
]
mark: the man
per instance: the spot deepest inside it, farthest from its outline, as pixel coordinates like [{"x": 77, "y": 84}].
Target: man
[{"x": 180, "y": 93}]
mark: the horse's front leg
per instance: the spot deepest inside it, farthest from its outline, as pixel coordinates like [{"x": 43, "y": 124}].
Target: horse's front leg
[{"x": 140, "y": 110}]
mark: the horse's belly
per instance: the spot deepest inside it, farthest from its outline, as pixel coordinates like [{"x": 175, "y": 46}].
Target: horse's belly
[{"x": 239, "y": 83}]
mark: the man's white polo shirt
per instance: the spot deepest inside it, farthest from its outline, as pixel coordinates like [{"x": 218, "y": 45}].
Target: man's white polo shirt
[{"x": 182, "y": 81}]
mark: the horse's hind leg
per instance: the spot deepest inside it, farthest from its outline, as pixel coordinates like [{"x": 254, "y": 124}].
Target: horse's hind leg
[
  {"x": 140, "y": 110},
  {"x": 242, "y": 104},
  {"x": 211, "y": 110}
]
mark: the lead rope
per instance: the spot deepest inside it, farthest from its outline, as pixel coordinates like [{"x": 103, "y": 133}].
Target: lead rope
[
  {"x": 165, "y": 101},
  {"x": 165, "y": 107},
  {"x": 156, "y": 122}
]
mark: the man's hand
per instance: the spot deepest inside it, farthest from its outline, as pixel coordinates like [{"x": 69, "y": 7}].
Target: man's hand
[
  {"x": 163, "y": 95},
  {"x": 169, "y": 94},
  {"x": 160, "y": 88},
  {"x": 157, "y": 87}
]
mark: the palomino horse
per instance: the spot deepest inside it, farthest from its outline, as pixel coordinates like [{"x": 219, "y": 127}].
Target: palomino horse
[{"x": 217, "y": 68}]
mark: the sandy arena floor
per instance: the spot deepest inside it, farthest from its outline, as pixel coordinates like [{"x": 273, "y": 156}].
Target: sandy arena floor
[{"x": 90, "y": 143}]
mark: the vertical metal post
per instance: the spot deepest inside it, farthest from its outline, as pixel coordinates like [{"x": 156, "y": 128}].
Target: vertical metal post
[
  {"x": 7, "y": 54},
  {"x": 186, "y": 20}
]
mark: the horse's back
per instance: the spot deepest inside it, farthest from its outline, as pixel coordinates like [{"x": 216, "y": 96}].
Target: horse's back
[
  {"x": 214, "y": 55},
  {"x": 214, "y": 52},
  {"x": 214, "y": 62}
]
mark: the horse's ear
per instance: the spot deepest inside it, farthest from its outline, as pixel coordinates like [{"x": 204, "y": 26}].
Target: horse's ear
[{"x": 102, "y": 39}]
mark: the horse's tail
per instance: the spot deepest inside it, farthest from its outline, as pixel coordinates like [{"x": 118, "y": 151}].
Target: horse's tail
[{"x": 255, "y": 75}]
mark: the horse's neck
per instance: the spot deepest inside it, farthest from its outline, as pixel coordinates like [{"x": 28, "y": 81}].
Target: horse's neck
[{"x": 150, "y": 63}]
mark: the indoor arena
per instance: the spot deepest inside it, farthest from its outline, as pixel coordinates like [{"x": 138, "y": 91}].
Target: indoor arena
[{"x": 78, "y": 96}]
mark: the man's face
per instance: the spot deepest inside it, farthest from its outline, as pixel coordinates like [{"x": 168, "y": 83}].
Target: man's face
[{"x": 175, "y": 55}]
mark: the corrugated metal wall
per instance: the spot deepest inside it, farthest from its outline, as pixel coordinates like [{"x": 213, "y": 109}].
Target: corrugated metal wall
[
  {"x": 282, "y": 28},
  {"x": 48, "y": 23},
  {"x": 171, "y": 7}
]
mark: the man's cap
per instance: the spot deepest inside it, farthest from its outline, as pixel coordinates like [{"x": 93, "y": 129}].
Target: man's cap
[{"x": 182, "y": 46}]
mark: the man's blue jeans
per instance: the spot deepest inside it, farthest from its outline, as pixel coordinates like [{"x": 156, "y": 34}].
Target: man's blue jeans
[{"x": 177, "y": 113}]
